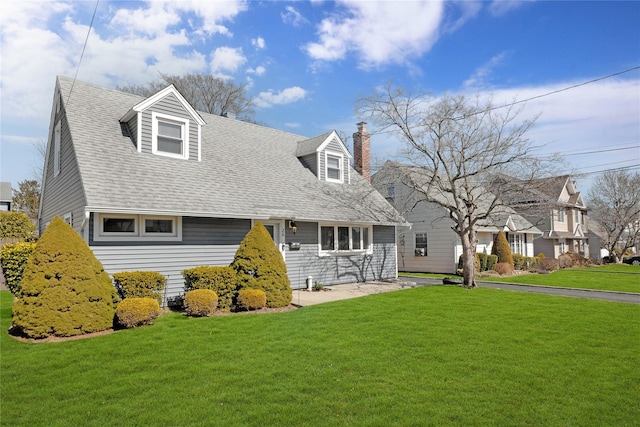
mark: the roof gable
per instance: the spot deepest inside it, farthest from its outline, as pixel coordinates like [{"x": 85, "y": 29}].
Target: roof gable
[
  {"x": 318, "y": 143},
  {"x": 147, "y": 103}
]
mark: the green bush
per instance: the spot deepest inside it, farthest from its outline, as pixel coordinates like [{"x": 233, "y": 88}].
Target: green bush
[
  {"x": 518, "y": 262},
  {"x": 251, "y": 299},
  {"x": 16, "y": 225},
  {"x": 221, "y": 280},
  {"x": 259, "y": 265},
  {"x": 504, "y": 269},
  {"x": 492, "y": 260},
  {"x": 13, "y": 258},
  {"x": 501, "y": 249},
  {"x": 530, "y": 262},
  {"x": 140, "y": 284},
  {"x": 132, "y": 312},
  {"x": 200, "y": 302},
  {"x": 482, "y": 259},
  {"x": 65, "y": 290}
]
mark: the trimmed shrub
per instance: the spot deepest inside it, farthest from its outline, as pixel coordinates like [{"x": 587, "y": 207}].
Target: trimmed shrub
[
  {"x": 482, "y": 258},
  {"x": 501, "y": 249},
  {"x": 259, "y": 265},
  {"x": 504, "y": 269},
  {"x": 132, "y": 312},
  {"x": 519, "y": 262},
  {"x": 565, "y": 261},
  {"x": 478, "y": 264},
  {"x": 140, "y": 284},
  {"x": 221, "y": 280},
  {"x": 492, "y": 260},
  {"x": 65, "y": 290},
  {"x": 200, "y": 302},
  {"x": 251, "y": 299},
  {"x": 548, "y": 264},
  {"x": 16, "y": 225},
  {"x": 14, "y": 257}
]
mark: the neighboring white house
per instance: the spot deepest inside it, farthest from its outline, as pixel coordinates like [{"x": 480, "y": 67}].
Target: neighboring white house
[
  {"x": 153, "y": 184},
  {"x": 430, "y": 244}
]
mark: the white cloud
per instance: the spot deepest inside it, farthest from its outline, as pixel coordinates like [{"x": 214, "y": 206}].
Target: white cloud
[
  {"x": 479, "y": 78},
  {"x": 379, "y": 32},
  {"x": 227, "y": 59},
  {"x": 286, "y": 96},
  {"x": 258, "y": 71},
  {"x": 501, "y": 7},
  {"x": 258, "y": 43},
  {"x": 293, "y": 17}
]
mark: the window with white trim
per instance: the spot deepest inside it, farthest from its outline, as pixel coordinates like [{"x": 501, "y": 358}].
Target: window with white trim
[
  {"x": 344, "y": 238},
  {"x": 421, "y": 244},
  {"x": 333, "y": 165},
  {"x": 170, "y": 136},
  {"x": 123, "y": 227},
  {"x": 560, "y": 215},
  {"x": 517, "y": 243}
]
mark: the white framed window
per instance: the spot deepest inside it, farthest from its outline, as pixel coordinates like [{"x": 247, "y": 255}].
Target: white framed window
[
  {"x": 560, "y": 215},
  {"x": 68, "y": 218},
  {"x": 344, "y": 239},
  {"x": 131, "y": 227},
  {"x": 56, "y": 149},
  {"x": 170, "y": 136},
  {"x": 517, "y": 243},
  {"x": 421, "y": 244},
  {"x": 334, "y": 171}
]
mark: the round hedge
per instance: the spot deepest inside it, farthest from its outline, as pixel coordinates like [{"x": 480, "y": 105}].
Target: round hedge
[
  {"x": 200, "y": 302},
  {"x": 137, "y": 311}
]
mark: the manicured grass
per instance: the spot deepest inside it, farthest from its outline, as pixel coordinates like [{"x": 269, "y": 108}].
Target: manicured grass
[
  {"x": 423, "y": 356},
  {"x": 621, "y": 278}
]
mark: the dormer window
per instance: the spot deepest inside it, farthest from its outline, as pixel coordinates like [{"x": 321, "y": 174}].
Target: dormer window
[
  {"x": 334, "y": 167},
  {"x": 170, "y": 136}
]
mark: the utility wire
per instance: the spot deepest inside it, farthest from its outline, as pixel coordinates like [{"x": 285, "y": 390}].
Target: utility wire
[
  {"x": 549, "y": 93},
  {"x": 604, "y": 151},
  {"x": 86, "y": 40}
]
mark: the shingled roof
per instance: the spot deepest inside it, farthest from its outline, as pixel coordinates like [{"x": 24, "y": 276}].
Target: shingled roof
[{"x": 246, "y": 170}]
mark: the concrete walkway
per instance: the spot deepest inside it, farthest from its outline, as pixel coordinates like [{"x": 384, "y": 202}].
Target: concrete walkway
[{"x": 303, "y": 297}]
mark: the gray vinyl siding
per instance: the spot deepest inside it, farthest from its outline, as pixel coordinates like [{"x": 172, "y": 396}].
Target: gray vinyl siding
[
  {"x": 171, "y": 106},
  {"x": 165, "y": 259},
  {"x": 333, "y": 147},
  {"x": 336, "y": 269},
  {"x": 195, "y": 231},
  {"x": 63, "y": 193},
  {"x": 310, "y": 161},
  {"x": 132, "y": 128}
]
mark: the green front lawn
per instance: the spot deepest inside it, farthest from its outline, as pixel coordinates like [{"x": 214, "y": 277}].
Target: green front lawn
[
  {"x": 621, "y": 278},
  {"x": 423, "y": 356}
]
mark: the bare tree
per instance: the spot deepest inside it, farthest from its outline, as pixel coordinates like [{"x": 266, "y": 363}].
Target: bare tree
[
  {"x": 614, "y": 202},
  {"x": 458, "y": 152},
  {"x": 204, "y": 92},
  {"x": 26, "y": 198}
]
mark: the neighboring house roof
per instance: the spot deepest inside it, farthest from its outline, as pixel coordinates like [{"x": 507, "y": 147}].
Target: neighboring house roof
[
  {"x": 6, "y": 194},
  {"x": 246, "y": 170},
  {"x": 501, "y": 218}
]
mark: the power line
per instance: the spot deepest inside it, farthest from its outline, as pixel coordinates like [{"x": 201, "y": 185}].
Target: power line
[
  {"x": 86, "y": 40},
  {"x": 624, "y": 168},
  {"x": 604, "y": 151}
]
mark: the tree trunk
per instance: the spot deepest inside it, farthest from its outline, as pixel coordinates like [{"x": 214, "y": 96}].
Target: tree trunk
[{"x": 468, "y": 258}]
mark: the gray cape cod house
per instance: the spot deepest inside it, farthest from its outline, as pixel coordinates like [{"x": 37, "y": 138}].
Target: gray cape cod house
[{"x": 153, "y": 184}]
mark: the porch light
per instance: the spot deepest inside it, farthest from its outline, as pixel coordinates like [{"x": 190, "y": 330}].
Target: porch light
[{"x": 293, "y": 226}]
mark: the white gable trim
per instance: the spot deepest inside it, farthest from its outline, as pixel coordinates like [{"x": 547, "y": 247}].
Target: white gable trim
[
  {"x": 139, "y": 133},
  {"x": 334, "y": 136},
  {"x": 157, "y": 97}
]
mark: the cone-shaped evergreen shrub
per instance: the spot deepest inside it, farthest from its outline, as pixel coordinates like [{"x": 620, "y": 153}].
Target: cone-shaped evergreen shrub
[
  {"x": 259, "y": 265},
  {"x": 501, "y": 249},
  {"x": 65, "y": 290}
]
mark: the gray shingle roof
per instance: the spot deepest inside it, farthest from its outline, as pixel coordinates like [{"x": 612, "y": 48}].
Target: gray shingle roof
[{"x": 247, "y": 170}]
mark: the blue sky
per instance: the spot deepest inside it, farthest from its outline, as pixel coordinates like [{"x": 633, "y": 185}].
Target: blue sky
[{"x": 306, "y": 63}]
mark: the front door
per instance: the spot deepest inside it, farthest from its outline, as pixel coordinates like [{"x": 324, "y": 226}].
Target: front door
[{"x": 276, "y": 231}]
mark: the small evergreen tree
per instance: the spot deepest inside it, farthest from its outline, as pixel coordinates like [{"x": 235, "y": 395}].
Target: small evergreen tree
[
  {"x": 259, "y": 265},
  {"x": 501, "y": 249},
  {"x": 65, "y": 290}
]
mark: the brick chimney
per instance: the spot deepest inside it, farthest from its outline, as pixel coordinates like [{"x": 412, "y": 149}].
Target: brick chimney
[{"x": 362, "y": 151}]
